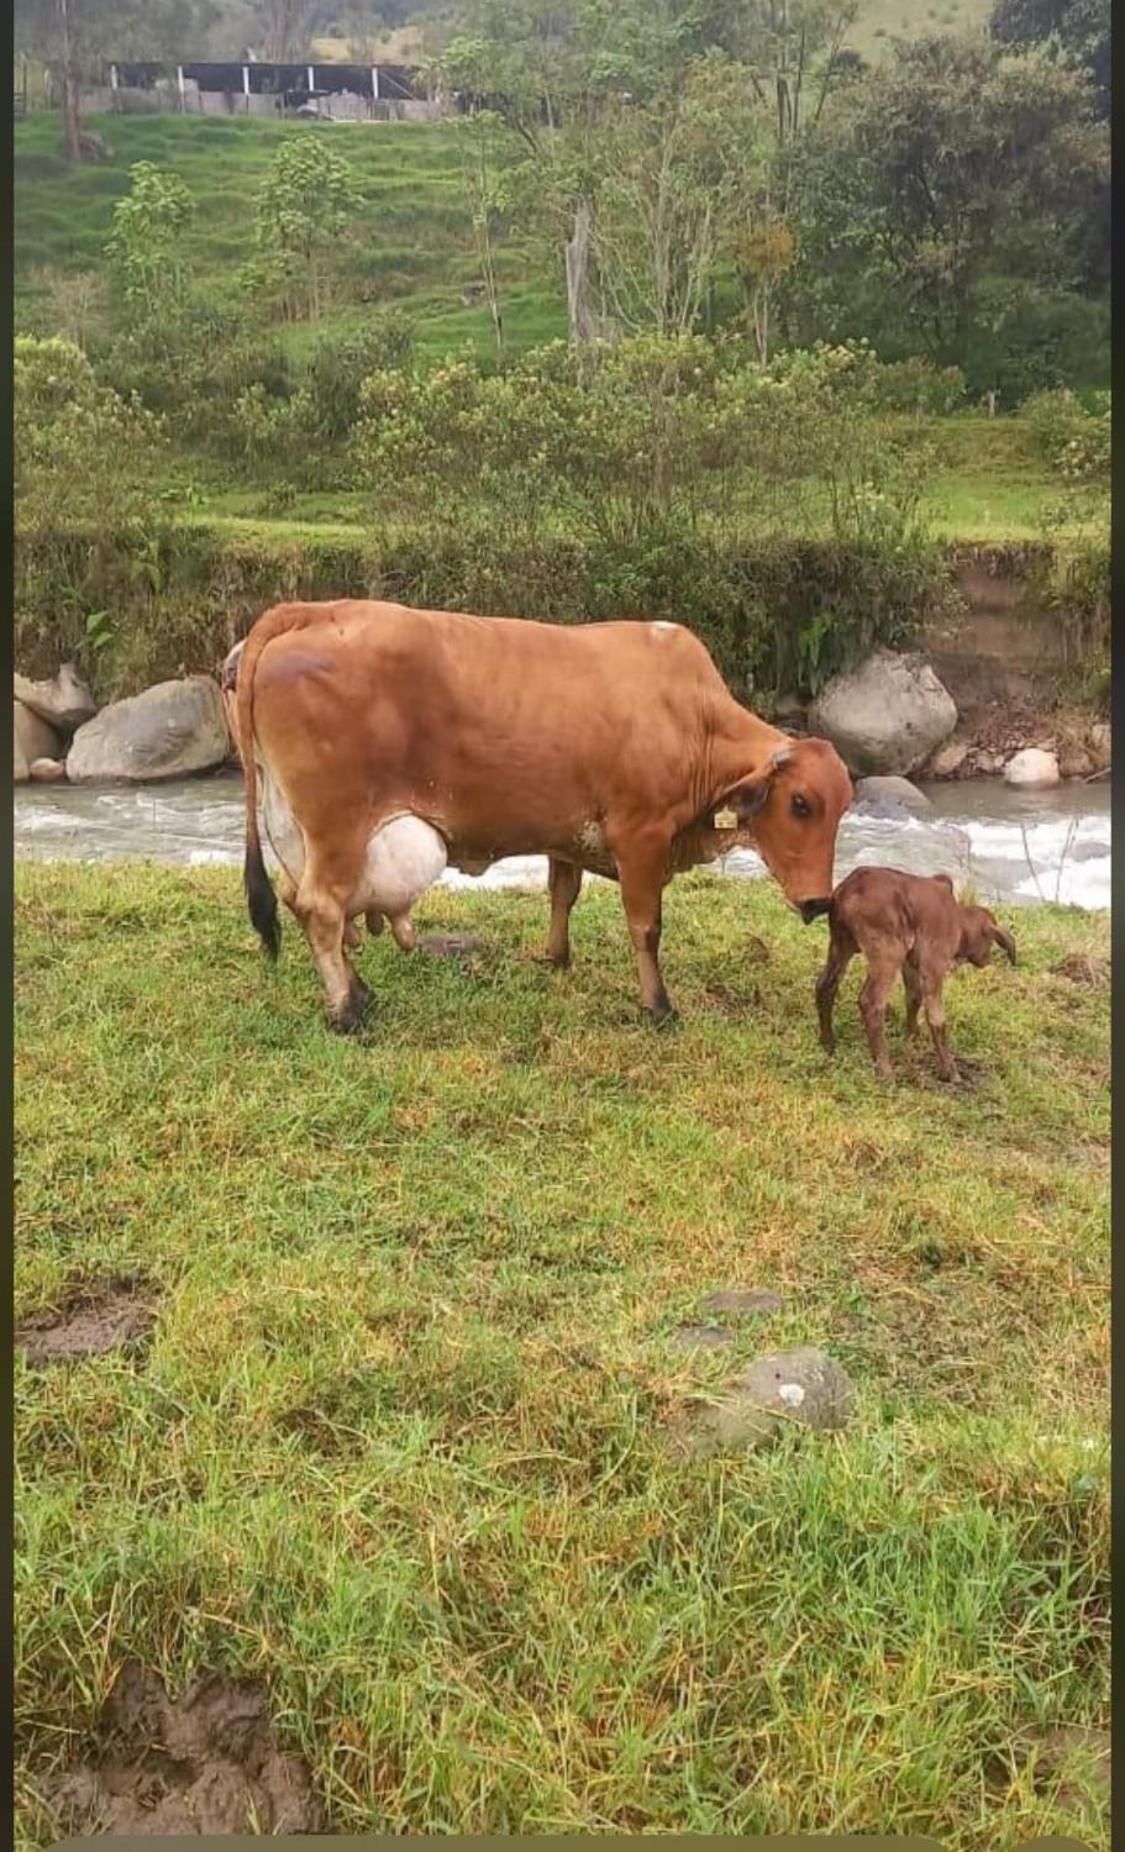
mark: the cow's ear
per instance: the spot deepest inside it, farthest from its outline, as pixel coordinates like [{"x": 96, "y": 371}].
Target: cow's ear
[{"x": 745, "y": 800}]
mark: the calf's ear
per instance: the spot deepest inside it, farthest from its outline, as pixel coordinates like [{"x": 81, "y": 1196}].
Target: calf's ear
[{"x": 746, "y": 799}]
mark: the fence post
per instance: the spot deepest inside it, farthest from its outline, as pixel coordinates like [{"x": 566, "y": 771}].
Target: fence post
[{"x": 246, "y": 86}]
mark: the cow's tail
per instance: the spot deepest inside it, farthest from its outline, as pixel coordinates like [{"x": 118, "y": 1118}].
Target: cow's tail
[{"x": 260, "y": 897}]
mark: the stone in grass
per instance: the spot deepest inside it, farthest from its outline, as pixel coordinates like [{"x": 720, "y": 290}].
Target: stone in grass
[
  {"x": 802, "y": 1385},
  {"x": 739, "y": 1302}
]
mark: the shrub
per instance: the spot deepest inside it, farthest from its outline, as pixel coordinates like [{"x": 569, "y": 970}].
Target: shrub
[{"x": 1074, "y": 437}]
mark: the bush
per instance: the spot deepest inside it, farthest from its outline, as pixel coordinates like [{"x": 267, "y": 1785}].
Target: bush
[
  {"x": 1074, "y": 437},
  {"x": 193, "y": 364}
]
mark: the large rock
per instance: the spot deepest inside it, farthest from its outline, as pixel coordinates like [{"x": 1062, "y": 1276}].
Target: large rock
[
  {"x": 65, "y": 702},
  {"x": 32, "y": 739},
  {"x": 891, "y": 794},
  {"x": 888, "y": 715},
  {"x": 1033, "y": 768},
  {"x": 168, "y": 731}
]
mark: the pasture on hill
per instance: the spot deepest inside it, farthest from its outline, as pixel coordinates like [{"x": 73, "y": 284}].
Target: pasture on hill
[
  {"x": 416, "y": 250},
  {"x": 396, "y": 1446}
]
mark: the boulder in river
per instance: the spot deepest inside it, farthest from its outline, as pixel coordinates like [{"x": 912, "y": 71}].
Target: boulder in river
[
  {"x": 888, "y": 715},
  {"x": 47, "y": 771},
  {"x": 948, "y": 759},
  {"x": 891, "y": 794},
  {"x": 168, "y": 731},
  {"x": 32, "y": 739},
  {"x": 64, "y": 702},
  {"x": 1033, "y": 767}
]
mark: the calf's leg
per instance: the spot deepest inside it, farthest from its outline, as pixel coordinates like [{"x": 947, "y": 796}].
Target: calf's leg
[
  {"x": 912, "y": 984},
  {"x": 841, "y": 951},
  {"x": 563, "y": 883},
  {"x": 881, "y": 975},
  {"x": 935, "y": 1018}
]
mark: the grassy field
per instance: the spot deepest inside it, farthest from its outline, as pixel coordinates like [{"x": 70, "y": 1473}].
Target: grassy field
[{"x": 398, "y": 1446}]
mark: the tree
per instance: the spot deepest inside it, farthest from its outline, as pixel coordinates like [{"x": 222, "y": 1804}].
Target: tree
[
  {"x": 286, "y": 27},
  {"x": 143, "y": 248},
  {"x": 305, "y": 203},
  {"x": 77, "y": 38},
  {"x": 955, "y": 164},
  {"x": 1078, "y": 29}
]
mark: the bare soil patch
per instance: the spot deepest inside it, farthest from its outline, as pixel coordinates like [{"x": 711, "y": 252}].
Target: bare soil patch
[
  {"x": 206, "y": 1762},
  {"x": 112, "y": 1314}
]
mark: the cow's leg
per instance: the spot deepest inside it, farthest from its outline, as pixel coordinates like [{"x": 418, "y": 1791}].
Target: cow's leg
[
  {"x": 881, "y": 975},
  {"x": 912, "y": 984},
  {"x": 841, "y": 951},
  {"x": 564, "y": 881},
  {"x": 642, "y": 872},
  {"x": 321, "y": 906},
  {"x": 931, "y": 983}
]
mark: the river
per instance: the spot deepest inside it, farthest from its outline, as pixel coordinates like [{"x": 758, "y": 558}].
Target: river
[{"x": 1014, "y": 846}]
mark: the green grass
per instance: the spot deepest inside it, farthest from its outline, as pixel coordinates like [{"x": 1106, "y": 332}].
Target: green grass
[
  {"x": 879, "y": 22},
  {"x": 397, "y": 1447}
]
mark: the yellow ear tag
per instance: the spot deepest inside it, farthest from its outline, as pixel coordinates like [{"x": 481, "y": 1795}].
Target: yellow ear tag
[{"x": 725, "y": 820}]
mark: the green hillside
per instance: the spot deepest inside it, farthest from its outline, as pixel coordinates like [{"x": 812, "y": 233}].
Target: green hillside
[
  {"x": 879, "y": 22},
  {"x": 415, "y": 249}
]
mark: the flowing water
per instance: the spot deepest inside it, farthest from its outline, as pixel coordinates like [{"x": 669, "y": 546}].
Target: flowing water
[{"x": 1014, "y": 846}]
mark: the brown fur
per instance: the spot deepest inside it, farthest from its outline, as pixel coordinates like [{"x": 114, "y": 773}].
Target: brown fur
[
  {"x": 607, "y": 747},
  {"x": 908, "y": 925}
]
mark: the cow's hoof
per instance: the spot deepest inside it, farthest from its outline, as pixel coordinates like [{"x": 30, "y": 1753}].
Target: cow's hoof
[
  {"x": 664, "y": 1016},
  {"x": 557, "y": 961},
  {"x": 348, "y": 1019}
]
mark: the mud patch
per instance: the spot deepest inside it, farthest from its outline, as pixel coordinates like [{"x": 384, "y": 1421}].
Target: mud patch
[
  {"x": 113, "y": 1314},
  {"x": 702, "y": 1337},
  {"x": 451, "y": 945},
  {"x": 1082, "y": 968},
  {"x": 205, "y": 1763},
  {"x": 743, "y": 1302}
]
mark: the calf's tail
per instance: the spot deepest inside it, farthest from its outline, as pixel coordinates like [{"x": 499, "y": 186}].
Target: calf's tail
[{"x": 261, "y": 900}]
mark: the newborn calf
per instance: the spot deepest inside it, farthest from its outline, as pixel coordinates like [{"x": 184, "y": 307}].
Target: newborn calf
[{"x": 902, "y": 923}]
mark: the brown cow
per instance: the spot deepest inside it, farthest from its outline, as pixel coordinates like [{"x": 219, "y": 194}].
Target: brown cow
[
  {"x": 903, "y": 924},
  {"x": 390, "y": 742}
]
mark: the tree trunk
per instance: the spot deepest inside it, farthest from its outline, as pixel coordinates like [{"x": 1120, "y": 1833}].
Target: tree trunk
[
  {"x": 579, "y": 310},
  {"x": 69, "y": 86}
]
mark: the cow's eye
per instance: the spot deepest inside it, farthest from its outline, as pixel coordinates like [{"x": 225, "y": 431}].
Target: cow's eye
[{"x": 799, "y": 805}]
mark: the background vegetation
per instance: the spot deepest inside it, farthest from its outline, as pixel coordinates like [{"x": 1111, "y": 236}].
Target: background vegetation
[{"x": 602, "y": 344}]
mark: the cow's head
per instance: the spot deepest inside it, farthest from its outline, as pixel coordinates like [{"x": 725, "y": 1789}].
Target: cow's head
[
  {"x": 979, "y": 933},
  {"x": 790, "y": 810}
]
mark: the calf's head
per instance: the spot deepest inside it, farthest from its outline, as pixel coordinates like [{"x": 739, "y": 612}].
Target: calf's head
[
  {"x": 791, "y": 811},
  {"x": 979, "y": 933}
]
